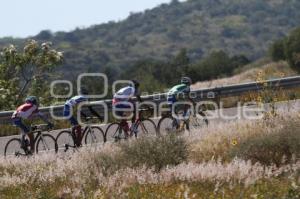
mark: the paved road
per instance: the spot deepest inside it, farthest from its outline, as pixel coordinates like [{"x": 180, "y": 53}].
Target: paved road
[{"x": 231, "y": 113}]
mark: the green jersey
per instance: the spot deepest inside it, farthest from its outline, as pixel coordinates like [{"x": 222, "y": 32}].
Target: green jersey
[
  {"x": 177, "y": 92},
  {"x": 181, "y": 88}
]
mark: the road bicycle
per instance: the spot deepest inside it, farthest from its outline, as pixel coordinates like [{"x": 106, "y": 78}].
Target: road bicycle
[
  {"x": 141, "y": 127},
  {"x": 91, "y": 134},
  {"x": 168, "y": 123},
  {"x": 44, "y": 143}
]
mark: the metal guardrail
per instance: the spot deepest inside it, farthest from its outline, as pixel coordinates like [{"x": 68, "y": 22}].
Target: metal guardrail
[{"x": 209, "y": 93}]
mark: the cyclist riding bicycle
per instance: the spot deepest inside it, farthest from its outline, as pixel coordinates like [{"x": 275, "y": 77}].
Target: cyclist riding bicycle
[
  {"x": 180, "y": 92},
  {"x": 123, "y": 100},
  {"x": 70, "y": 112},
  {"x": 27, "y": 111}
]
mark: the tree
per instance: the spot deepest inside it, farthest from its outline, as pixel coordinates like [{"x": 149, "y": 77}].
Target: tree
[
  {"x": 181, "y": 62},
  {"x": 44, "y": 35},
  {"x": 239, "y": 60},
  {"x": 292, "y": 49},
  {"x": 277, "y": 50},
  {"x": 25, "y": 72}
]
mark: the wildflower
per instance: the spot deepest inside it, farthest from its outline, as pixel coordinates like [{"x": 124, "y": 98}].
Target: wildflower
[{"x": 234, "y": 142}]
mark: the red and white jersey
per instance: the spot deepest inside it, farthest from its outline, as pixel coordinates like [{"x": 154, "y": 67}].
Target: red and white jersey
[{"x": 25, "y": 111}]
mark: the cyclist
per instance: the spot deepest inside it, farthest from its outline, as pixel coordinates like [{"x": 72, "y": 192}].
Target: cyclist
[
  {"x": 27, "y": 111},
  {"x": 177, "y": 92},
  {"x": 123, "y": 100},
  {"x": 70, "y": 110}
]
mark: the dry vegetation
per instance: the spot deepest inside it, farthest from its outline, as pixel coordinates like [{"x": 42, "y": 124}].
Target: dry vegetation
[
  {"x": 246, "y": 159},
  {"x": 249, "y": 74}
]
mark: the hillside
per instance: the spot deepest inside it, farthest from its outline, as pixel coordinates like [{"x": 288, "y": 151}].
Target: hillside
[
  {"x": 236, "y": 26},
  {"x": 250, "y": 73}
]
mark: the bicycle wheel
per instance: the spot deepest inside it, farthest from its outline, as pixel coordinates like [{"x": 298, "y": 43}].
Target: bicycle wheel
[
  {"x": 166, "y": 125},
  {"x": 114, "y": 132},
  {"x": 64, "y": 139},
  {"x": 146, "y": 128},
  {"x": 94, "y": 136},
  {"x": 198, "y": 121},
  {"x": 13, "y": 148},
  {"x": 46, "y": 144}
]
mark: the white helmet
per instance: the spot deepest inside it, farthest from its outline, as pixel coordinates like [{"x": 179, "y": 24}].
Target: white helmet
[{"x": 186, "y": 80}]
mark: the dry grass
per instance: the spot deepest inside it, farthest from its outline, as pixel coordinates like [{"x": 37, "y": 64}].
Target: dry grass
[
  {"x": 129, "y": 170},
  {"x": 269, "y": 71},
  {"x": 226, "y": 140}
]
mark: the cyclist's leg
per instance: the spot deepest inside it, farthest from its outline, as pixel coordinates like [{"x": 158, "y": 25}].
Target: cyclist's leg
[
  {"x": 124, "y": 125},
  {"x": 123, "y": 114},
  {"x": 186, "y": 115},
  {"x": 24, "y": 131},
  {"x": 134, "y": 117},
  {"x": 77, "y": 131},
  {"x": 76, "y": 128},
  {"x": 31, "y": 139},
  {"x": 171, "y": 102}
]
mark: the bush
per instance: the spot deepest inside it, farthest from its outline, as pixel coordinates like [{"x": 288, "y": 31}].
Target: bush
[
  {"x": 277, "y": 50},
  {"x": 276, "y": 148},
  {"x": 292, "y": 49},
  {"x": 152, "y": 152},
  {"x": 156, "y": 152}
]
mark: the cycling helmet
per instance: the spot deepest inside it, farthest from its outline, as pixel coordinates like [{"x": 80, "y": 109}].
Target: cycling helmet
[
  {"x": 32, "y": 100},
  {"x": 186, "y": 80},
  {"x": 135, "y": 83}
]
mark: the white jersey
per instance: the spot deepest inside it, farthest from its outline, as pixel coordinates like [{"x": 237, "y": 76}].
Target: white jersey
[
  {"x": 76, "y": 100},
  {"x": 125, "y": 93}
]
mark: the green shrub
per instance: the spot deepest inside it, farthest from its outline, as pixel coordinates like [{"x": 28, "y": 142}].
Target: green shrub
[
  {"x": 276, "y": 50},
  {"x": 292, "y": 49},
  {"x": 152, "y": 152},
  {"x": 271, "y": 148},
  {"x": 156, "y": 152}
]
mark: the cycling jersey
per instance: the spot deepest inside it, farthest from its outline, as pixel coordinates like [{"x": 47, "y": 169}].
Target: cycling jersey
[
  {"x": 25, "y": 111},
  {"x": 122, "y": 98},
  {"x": 172, "y": 95},
  {"x": 125, "y": 93},
  {"x": 69, "y": 110},
  {"x": 76, "y": 100}
]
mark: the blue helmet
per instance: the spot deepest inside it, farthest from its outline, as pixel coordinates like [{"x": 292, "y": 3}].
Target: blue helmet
[{"x": 32, "y": 100}]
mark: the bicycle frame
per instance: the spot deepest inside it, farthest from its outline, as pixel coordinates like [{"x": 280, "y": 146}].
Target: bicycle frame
[
  {"x": 184, "y": 122},
  {"x": 86, "y": 129},
  {"x": 137, "y": 122},
  {"x": 39, "y": 134}
]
